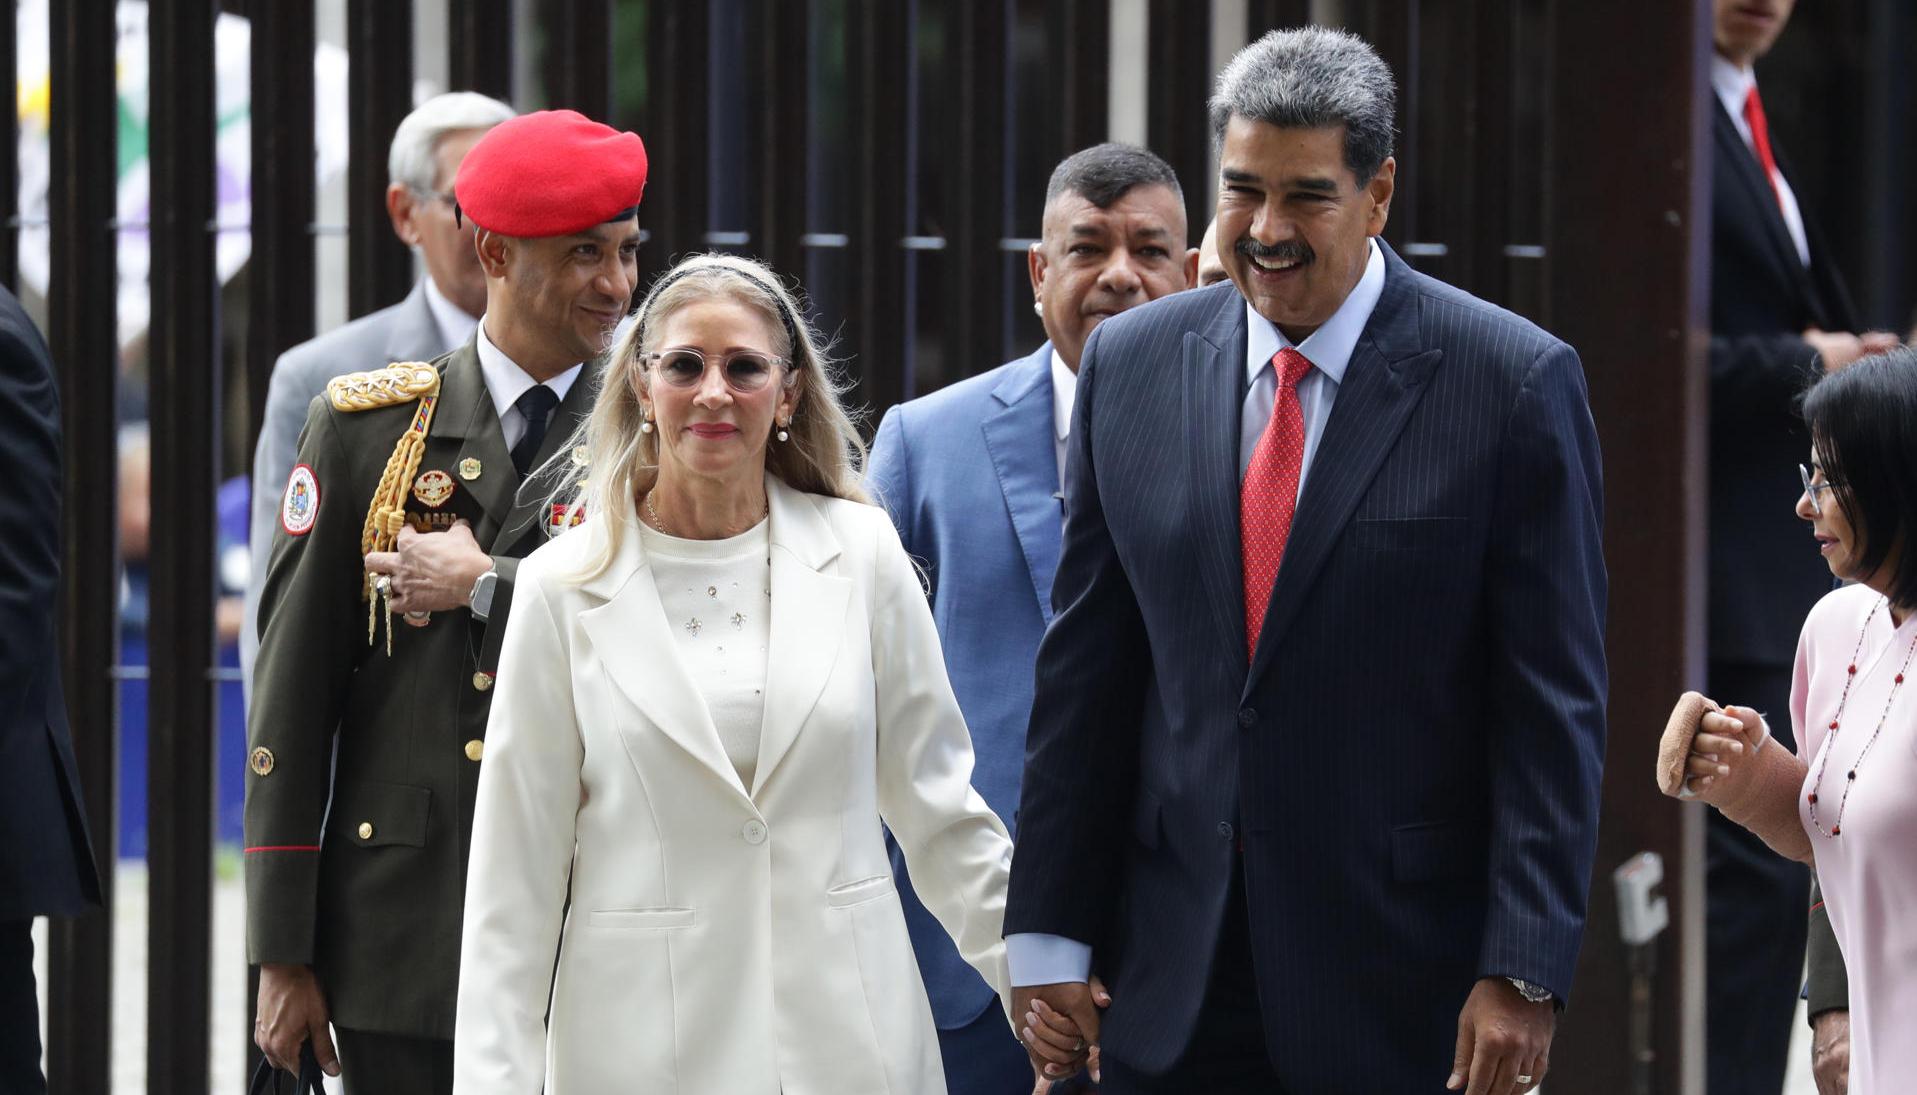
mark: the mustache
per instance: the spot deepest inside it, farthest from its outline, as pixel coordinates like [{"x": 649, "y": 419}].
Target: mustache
[{"x": 1284, "y": 251}]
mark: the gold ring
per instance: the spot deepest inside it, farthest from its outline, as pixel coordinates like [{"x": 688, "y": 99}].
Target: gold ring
[{"x": 1523, "y": 1080}]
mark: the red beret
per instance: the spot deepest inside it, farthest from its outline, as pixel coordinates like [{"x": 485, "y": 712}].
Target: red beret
[{"x": 550, "y": 173}]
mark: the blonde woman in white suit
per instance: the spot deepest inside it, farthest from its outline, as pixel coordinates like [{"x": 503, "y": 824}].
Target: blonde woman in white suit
[{"x": 713, "y": 692}]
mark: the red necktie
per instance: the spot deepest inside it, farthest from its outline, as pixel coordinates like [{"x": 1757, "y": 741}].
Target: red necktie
[
  {"x": 1761, "y": 142},
  {"x": 1270, "y": 492}
]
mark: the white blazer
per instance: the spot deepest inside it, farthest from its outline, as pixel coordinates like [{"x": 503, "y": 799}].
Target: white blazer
[{"x": 720, "y": 940}]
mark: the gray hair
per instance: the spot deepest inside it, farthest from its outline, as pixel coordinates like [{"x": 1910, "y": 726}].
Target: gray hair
[
  {"x": 1312, "y": 78},
  {"x": 411, "y": 161},
  {"x": 1104, "y": 173}
]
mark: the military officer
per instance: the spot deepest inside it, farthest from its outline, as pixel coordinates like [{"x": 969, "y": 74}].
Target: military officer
[{"x": 414, "y": 496}]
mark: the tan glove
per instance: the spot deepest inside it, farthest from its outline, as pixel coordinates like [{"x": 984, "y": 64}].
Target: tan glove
[{"x": 1731, "y": 769}]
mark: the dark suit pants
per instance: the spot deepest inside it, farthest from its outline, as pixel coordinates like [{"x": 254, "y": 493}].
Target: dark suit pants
[
  {"x": 19, "y": 1012},
  {"x": 393, "y": 1064},
  {"x": 1757, "y": 913},
  {"x": 1227, "y": 1054}
]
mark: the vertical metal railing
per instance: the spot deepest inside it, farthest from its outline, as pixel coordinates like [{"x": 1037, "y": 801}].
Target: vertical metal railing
[{"x": 379, "y": 92}]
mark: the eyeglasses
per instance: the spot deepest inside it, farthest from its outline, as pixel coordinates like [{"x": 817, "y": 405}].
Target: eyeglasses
[
  {"x": 446, "y": 196},
  {"x": 744, "y": 370},
  {"x": 1812, "y": 490}
]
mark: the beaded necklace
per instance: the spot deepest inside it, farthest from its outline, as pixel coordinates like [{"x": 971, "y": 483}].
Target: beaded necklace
[{"x": 1850, "y": 678}]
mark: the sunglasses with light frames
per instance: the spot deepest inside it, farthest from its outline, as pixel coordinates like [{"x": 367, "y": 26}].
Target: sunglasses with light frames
[{"x": 744, "y": 370}]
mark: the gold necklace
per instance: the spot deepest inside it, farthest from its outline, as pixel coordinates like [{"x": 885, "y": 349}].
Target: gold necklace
[
  {"x": 660, "y": 524},
  {"x": 1823, "y": 760}
]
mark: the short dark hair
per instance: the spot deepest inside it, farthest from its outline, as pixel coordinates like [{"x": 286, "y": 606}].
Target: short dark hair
[
  {"x": 1104, "y": 173},
  {"x": 1863, "y": 427},
  {"x": 1312, "y": 78}
]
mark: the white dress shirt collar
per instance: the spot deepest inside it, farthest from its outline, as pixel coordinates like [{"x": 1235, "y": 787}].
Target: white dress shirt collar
[
  {"x": 1329, "y": 347},
  {"x": 455, "y": 326},
  {"x": 506, "y": 381},
  {"x": 1064, "y": 391}
]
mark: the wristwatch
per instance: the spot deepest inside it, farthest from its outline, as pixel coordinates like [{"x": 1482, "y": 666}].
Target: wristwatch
[
  {"x": 1536, "y": 994},
  {"x": 480, "y": 600}
]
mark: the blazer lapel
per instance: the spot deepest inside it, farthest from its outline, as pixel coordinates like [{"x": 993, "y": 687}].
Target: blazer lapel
[
  {"x": 1214, "y": 372},
  {"x": 466, "y": 413},
  {"x": 808, "y": 621},
  {"x": 1757, "y": 189},
  {"x": 1382, "y": 386},
  {"x": 634, "y": 641},
  {"x": 1019, "y": 438}
]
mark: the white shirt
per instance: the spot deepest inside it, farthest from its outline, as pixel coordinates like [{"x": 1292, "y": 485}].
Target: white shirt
[
  {"x": 718, "y": 600},
  {"x": 506, "y": 382},
  {"x": 1733, "y": 85},
  {"x": 1037, "y": 958},
  {"x": 455, "y": 326},
  {"x": 1064, "y": 391}
]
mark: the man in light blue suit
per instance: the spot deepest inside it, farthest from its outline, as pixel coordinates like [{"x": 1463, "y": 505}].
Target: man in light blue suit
[{"x": 971, "y": 476}]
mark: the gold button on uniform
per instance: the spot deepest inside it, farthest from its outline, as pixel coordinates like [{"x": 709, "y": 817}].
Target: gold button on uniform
[
  {"x": 262, "y": 761},
  {"x": 482, "y": 680},
  {"x": 366, "y": 830},
  {"x": 475, "y": 749},
  {"x": 469, "y": 469}
]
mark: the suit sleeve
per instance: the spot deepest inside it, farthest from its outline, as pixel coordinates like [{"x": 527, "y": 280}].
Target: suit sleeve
[
  {"x": 288, "y": 401},
  {"x": 957, "y": 850},
  {"x": 1547, "y": 678},
  {"x": 312, "y": 637},
  {"x": 1081, "y": 751},
  {"x": 29, "y": 520},
  {"x": 1764, "y": 370},
  {"x": 1829, "y": 985},
  {"x": 524, "y": 827}
]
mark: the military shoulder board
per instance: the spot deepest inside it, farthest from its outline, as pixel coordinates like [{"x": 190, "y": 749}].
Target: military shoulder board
[{"x": 398, "y": 383}]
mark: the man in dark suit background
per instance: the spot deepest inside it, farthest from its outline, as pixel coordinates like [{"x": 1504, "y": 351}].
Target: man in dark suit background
[
  {"x": 1780, "y": 317},
  {"x": 46, "y": 862},
  {"x": 1313, "y": 763}
]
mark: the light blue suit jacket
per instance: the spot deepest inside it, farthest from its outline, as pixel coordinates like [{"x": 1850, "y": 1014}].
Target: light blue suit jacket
[{"x": 970, "y": 477}]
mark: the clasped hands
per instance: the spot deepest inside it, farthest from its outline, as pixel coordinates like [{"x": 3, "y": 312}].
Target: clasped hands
[
  {"x": 430, "y": 571},
  {"x": 1503, "y": 1046}
]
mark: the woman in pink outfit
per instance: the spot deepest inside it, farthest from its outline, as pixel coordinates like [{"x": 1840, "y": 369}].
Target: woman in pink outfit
[{"x": 1847, "y": 802}]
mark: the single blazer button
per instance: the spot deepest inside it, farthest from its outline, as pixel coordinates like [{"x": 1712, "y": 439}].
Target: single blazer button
[
  {"x": 1225, "y": 830},
  {"x": 1247, "y": 718},
  {"x": 753, "y": 832}
]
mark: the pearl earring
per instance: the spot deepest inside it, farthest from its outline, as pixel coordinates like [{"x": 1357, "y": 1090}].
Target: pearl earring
[
  {"x": 645, "y": 422},
  {"x": 1038, "y": 308},
  {"x": 782, "y": 426}
]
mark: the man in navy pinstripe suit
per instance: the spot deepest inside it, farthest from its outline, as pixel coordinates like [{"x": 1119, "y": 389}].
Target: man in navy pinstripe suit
[{"x": 1312, "y": 770}]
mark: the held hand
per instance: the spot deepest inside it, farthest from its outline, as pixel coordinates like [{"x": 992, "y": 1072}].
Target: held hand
[
  {"x": 1877, "y": 342},
  {"x": 292, "y": 1009},
  {"x": 432, "y": 571},
  {"x": 1722, "y": 749},
  {"x": 1830, "y": 1052},
  {"x": 1059, "y": 1025},
  {"x": 1502, "y": 1037},
  {"x": 1835, "y": 349}
]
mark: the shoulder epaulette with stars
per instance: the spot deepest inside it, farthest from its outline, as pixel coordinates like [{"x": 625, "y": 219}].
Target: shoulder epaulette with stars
[{"x": 401, "y": 382}]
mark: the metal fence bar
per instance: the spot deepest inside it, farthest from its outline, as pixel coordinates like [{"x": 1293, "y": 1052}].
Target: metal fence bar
[
  {"x": 80, "y": 321},
  {"x": 1178, "y": 85},
  {"x": 976, "y": 335},
  {"x": 674, "y": 129},
  {"x": 1079, "y": 33},
  {"x": 9, "y": 161},
  {"x": 282, "y": 299},
  {"x": 780, "y": 211},
  {"x": 379, "y": 92},
  {"x": 879, "y": 58},
  {"x": 184, "y": 401},
  {"x": 578, "y": 63},
  {"x": 481, "y": 41}
]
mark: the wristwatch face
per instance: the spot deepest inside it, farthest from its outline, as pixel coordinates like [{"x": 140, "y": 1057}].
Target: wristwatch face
[{"x": 483, "y": 594}]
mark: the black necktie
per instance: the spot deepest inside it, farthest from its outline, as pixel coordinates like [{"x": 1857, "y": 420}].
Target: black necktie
[{"x": 537, "y": 407}]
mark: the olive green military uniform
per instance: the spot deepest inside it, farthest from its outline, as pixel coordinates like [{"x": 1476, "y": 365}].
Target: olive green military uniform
[{"x": 356, "y": 859}]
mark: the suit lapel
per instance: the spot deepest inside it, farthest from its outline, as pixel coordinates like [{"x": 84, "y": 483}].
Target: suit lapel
[
  {"x": 1019, "y": 438},
  {"x": 466, "y": 413},
  {"x": 1214, "y": 372},
  {"x": 635, "y": 643},
  {"x": 1382, "y": 385},
  {"x": 416, "y": 335},
  {"x": 1757, "y": 191},
  {"x": 529, "y": 511},
  {"x": 807, "y": 626}
]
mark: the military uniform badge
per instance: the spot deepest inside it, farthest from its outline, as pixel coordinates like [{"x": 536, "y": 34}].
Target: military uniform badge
[
  {"x": 299, "y": 506},
  {"x": 433, "y": 488},
  {"x": 564, "y": 517}
]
